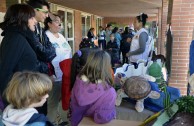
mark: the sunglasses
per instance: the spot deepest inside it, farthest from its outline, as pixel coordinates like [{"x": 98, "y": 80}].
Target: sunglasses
[{"x": 42, "y": 10}]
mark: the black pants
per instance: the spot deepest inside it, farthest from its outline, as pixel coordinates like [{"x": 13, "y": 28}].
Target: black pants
[
  {"x": 102, "y": 43},
  {"x": 125, "y": 59}
]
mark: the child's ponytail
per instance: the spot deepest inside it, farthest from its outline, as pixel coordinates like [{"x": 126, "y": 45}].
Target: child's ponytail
[
  {"x": 78, "y": 61},
  {"x": 75, "y": 68}
]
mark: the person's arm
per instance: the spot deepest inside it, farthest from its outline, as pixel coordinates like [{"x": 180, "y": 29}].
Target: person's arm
[
  {"x": 119, "y": 37},
  {"x": 11, "y": 51},
  {"x": 44, "y": 51},
  {"x": 142, "y": 44},
  {"x": 106, "y": 111}
]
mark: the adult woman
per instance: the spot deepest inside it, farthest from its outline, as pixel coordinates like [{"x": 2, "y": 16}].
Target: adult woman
[
  {"x": 139, "y": 44},
  {"x": 117, "y": 35},
  {"x": 16, "y": 53},
  {"x": 91, "y": 35},
  {"x": 63, "y": 51}
]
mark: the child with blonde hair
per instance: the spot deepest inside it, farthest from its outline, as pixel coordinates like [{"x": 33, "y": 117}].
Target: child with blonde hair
[
  {"x": 92, "y": 93},
  {"x": 25, "y": 91}
]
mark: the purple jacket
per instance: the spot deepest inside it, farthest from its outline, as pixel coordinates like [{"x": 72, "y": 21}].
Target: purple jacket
[{"x": 93, "y": 100}]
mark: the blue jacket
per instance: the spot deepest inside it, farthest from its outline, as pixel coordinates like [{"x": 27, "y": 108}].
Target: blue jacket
[
  {"x": 38, "y": 120},
  {"x": 191, "y": 58}
]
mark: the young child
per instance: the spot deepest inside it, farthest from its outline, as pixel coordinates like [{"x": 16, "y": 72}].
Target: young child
[
  {"x": 93, "y": 94},
  {"x": 113, "y": 50},
  {"x": 70, "y": 69},
  {"x": 25, "y": 91},
  {"x": 125, "y": 47}
]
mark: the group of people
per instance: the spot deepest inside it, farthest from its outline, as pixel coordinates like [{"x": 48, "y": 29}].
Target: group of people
[
  {"x": 26, "y": 46},
  {"x": 36, "y": 65},
  {"x": 132, "y": 45}
]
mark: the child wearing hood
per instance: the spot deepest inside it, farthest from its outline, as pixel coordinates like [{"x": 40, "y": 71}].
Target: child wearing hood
[
  {"x": 25, "y": 91},
  {"x": 92, "y": 94}
]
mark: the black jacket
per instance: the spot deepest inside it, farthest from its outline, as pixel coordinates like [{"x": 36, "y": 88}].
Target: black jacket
[
  {"x": 16, "y": 54},
  {"x": 125, "y": 47},
  {"x": 44, "y": 50},
  {"x": 115, "y": 51}
]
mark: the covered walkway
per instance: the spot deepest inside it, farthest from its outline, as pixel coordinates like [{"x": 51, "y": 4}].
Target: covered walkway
[{"x": 80, "y": 15}]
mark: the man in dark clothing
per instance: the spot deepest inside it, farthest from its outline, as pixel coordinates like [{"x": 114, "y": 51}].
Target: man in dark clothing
[{"x": 42, "y": 46}]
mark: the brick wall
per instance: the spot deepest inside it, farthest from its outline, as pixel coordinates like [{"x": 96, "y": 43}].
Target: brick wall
[
  {"x": 3, "y": 6},
  {"x": 78, "y": 29},
  {"x": 123, "y": 20},
  {"x": 182, "y": 28}
]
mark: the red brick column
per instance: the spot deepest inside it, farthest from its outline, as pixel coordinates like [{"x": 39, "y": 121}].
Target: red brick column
[
  {"x": 77, "y": 29},
  {"x": 164, "y": 23},
  {"x": 119, "y": 20},
  {"x": 3, "y": 6},
  {"x": 159, "y": 42},
  {"x": 182, "y": 28}
]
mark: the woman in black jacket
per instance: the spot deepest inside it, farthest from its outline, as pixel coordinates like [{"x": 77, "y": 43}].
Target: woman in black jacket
[
  {"x": 91, "y": 35},
  {"x": 16, "y": 54}
]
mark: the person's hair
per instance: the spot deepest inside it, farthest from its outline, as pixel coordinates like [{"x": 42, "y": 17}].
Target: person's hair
[
  {"x": 38, "y": 3},
  {"x": 126, "y": 30},
  {"x": 78, "y": 61},
  {"x": 18, "y": 15},
  {"x": 91, "y": 29},
  {"x": 49, "y": 20},
  {"x": 26, "y": 88},
  {"x": 115, "y": 30},
  {"x": 142, "y": 18},
  {"x": 109, "y": 25},
  {"x": 98, "y": 67},
  {"x": 101, "y": 27}
]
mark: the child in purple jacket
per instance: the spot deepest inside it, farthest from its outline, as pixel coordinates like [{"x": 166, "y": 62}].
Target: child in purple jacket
[{"x": 93, "y": 94}]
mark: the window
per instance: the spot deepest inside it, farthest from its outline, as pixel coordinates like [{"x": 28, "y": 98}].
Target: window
[
  {"x": 98, "y": 23},
  {"x": 86, "y": 24}
]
